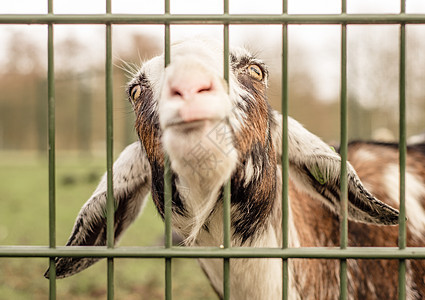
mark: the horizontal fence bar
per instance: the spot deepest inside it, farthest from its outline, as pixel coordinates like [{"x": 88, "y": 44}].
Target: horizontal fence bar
[
  {"x": 212, "y": 19},
  {"x": 216, "y": 252}
]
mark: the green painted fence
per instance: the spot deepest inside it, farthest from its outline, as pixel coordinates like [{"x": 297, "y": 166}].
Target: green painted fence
[{"x": 226, "y": 252}]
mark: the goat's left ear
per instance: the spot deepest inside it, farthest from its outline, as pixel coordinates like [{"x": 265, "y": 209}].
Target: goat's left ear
[
  {"x": 132, "y": 182},
  {"x": 315, "y": 168}
]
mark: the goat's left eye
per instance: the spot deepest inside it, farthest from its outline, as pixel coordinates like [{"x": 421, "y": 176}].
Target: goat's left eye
[
  {"x": 255, "y": 72},
  {"x": 135, "y": 92}
]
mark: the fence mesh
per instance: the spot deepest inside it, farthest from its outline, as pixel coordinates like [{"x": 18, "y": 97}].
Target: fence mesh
[{"x": 169, "y": 252}]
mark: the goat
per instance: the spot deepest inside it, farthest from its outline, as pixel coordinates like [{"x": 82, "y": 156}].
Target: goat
[{"x": 214, "y": 132}]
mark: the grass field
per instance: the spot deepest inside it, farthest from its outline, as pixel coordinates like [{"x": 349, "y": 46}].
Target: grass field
[{"x": 24, "y": 221}]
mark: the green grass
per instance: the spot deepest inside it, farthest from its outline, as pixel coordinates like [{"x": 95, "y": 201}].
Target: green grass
[{"x": 24, "y": 221}]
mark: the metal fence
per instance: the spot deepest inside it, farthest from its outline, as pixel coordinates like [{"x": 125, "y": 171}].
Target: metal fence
[{"x": 226, "y": 252}]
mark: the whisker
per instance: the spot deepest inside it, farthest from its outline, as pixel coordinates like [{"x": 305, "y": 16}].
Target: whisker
[{"x": 130, "y": 69}]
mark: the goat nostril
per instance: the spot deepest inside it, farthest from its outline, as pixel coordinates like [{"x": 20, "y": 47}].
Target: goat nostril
[
  {"x": 187, "y": 91},
  {"x": 176, "y": 93},
  {"x": 205, "y": 89}
]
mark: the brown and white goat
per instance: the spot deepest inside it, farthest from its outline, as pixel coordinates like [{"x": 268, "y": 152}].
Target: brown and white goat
[{"x": 214, "y": 132}]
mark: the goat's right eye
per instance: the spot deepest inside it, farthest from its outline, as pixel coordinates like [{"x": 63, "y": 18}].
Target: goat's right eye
[
  {"x": 255, "y": 72},
  {"x": 135, "y": 92}
]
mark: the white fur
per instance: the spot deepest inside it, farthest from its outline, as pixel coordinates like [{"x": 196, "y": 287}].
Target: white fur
[
  {"x": 416, "y": 139},
  {"x": 415, "y": 195},
  {"x": 366, "y": 155},
  {"x": 129, "y": 170},
  {"x": 243, "y": 279}
]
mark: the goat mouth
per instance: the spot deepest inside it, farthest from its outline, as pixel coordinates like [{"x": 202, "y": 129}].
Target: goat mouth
[{"x": 193, "y": 125}]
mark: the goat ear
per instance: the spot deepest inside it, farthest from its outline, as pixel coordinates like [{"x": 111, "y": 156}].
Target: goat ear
[
  {"x": 132, "y": 182},
  {"x": 315, "y": 168}
]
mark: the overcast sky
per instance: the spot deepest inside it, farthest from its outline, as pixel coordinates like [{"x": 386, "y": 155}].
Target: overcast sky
[{"x": 317, "y": 39}]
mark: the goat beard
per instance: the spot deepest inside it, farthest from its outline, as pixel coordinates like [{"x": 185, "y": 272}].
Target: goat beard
[{"x": 204, "y": 160}]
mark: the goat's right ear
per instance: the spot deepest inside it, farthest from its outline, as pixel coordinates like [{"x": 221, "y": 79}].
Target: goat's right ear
[
  {"x": 132, "y": 183},
  {"x": 315, "y": 169}
]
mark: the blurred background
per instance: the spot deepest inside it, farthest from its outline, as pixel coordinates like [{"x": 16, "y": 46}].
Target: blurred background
[{"x": 314, "y": 88}]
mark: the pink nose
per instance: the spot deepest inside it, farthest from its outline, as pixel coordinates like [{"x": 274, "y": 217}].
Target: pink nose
[{"x": 189, "y": 88}]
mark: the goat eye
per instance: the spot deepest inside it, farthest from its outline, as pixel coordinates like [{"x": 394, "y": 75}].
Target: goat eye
[
  {"x": 135, "y": 92},
  {"x": 255, "y": 72}
]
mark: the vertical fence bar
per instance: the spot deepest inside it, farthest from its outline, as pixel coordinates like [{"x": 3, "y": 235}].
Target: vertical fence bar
[
  {"x": 344, "y": 193},
  {"x": 226, "y": 240},
  {"x": 285, "y": 161},
  {"x": 402, "y": 157},
  {"x": 167, "y": 176},
  {"x": 109, "y": 154},
  {"x": 226, "y": 192},
  {"x": 343, "y": 153},
  {"x": 52, "y": 152}
]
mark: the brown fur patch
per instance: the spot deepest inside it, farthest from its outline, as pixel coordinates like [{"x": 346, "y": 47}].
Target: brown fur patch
[
  {"x": 147, "y": 127},
  {"x": 255, "y": 126},
  {"x": 384, "y": 273},
  {"x": 368, "y": 279},
  {"x": 316, "y": 227},
  {"x": 254, "y": 142}
]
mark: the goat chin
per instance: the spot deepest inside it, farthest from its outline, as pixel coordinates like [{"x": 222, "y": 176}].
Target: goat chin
[{"x": 195, "y": 149}]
